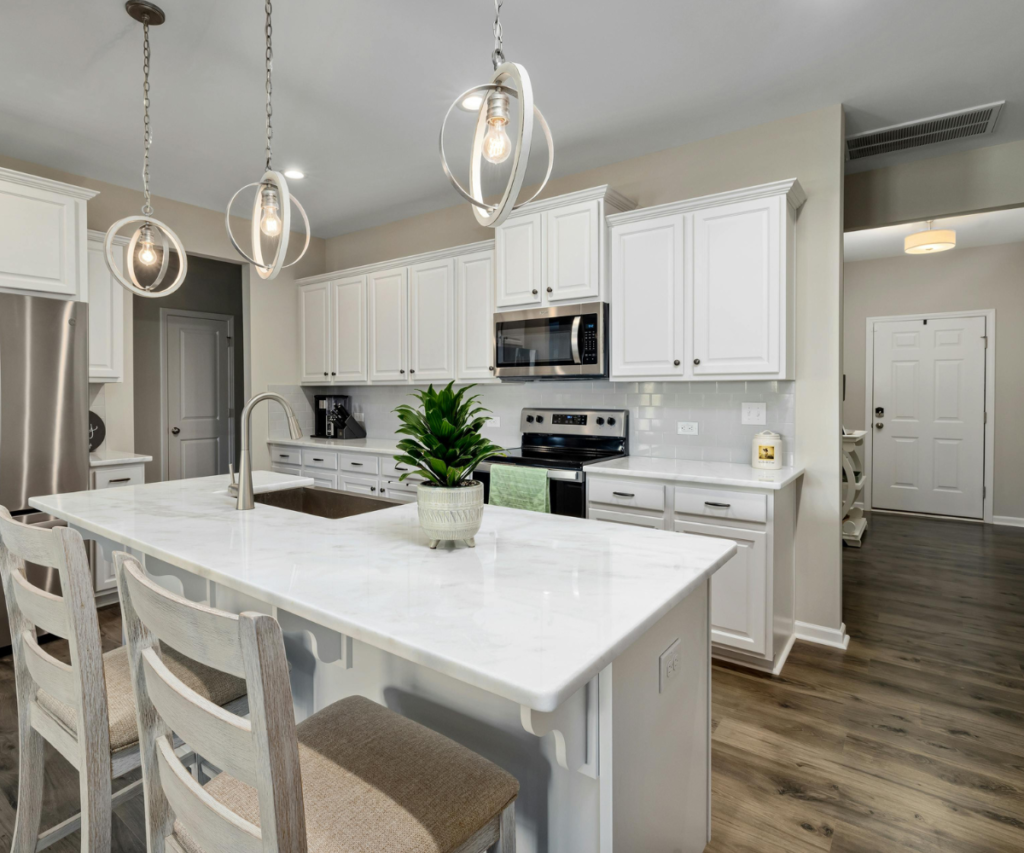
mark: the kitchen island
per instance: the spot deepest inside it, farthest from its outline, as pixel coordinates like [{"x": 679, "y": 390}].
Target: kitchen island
[{"x": 573, "y": 653}]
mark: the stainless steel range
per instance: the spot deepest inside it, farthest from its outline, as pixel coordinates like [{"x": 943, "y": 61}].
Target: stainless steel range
[{"x": 563, "y": 441}]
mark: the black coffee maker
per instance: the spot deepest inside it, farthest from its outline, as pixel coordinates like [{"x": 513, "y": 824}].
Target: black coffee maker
[{"x": 333, "y": 418}]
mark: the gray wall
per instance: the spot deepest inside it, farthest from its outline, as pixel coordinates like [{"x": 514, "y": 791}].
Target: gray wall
[
  {"x": 212, "y": 286},
  {"x": 960, "y": 280}
]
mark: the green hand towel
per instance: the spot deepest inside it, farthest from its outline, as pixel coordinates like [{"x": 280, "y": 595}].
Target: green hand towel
[{"x": 520, "y": 487}]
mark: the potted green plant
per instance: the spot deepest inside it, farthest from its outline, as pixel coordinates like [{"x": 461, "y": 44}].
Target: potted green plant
[{"x": 445, "y": 446}]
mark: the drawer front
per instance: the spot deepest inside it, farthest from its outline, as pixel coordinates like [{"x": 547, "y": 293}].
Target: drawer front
[
  {"x": 402, "y": 492},
  {"x": 628, "y": 493},
  {"x": 319, "y": 459},
  {"x": 390, "y": 468},
  {"x": 715, "y": 503},
  {"x": 286, "y": 456},
  {"x": 286, "y": 469},
  {"x": 626, "y": 518},
  {"x": 323, "y": 479},
  {"x": 124, "y": 475},
  {"x": 359, "y": 463},
  {"x": 359, "y": 485}
]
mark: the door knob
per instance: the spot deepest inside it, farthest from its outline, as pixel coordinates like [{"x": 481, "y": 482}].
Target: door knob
[
  {"x": 879, "y": 425},
  {"x": 175, "y": 430}
]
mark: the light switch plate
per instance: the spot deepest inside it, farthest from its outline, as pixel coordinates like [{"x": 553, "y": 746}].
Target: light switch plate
[
  {"x": 669, "y": 666},
  {"x": 754, "y": 413},
  {"x": 686, "y": 428}
]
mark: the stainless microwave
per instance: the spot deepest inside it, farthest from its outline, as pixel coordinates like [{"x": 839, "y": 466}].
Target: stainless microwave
[{"x": 565, "y": 342}]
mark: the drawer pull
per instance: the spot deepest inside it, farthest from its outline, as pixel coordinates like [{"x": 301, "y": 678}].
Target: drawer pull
[
  {"x": 717, "y": 505},
  {"x": 624, "y": 494},
  {"x": 121, "y": 480},
  {"x": 400, "y": 468},
  {"x": 357, "y": 464},
  {"x": 315, "y": 459},
  {"x": 284, "y": 456}
]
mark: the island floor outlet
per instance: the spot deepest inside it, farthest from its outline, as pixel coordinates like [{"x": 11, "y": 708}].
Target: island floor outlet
[{"x": 511, "y": 427}]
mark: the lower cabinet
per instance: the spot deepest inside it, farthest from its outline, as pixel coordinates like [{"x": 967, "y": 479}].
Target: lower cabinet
[
  {"x": 360, "y": 485},
  {"x": 111, "y": 477}
]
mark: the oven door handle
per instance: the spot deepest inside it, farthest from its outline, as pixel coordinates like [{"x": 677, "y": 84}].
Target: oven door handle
[{"x": 576, "y": 339}]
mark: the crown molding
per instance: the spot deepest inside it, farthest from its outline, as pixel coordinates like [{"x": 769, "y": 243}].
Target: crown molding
[
  {"x": 407, "y": 261},
  {"x": 100, "y": 236},
  {"x": 791, "y": 189},
  {"x": 38, "y": 183},
  {"x": 611, "y": 197}
]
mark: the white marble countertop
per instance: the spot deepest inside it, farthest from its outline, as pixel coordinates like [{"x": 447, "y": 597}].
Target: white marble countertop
[
  {"x": 357, "y": 445},
  {"x": 103, "y": 458},
  {"x": 710, "y": 473},
  {"x": 540, "y": 606}
]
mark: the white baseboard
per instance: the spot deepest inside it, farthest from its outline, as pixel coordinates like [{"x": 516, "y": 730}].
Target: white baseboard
[
  {"x": 771, "y": 667},
  {"x": 835, "y": 638},
  {"x": 1008, "y": 520}
]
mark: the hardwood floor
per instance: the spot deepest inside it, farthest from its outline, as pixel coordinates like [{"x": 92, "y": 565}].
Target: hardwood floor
[{"x": 913, "y": 740}]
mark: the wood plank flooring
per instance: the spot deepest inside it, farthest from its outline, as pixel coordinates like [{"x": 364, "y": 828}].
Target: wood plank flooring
[{"x": 913, "y": 740}]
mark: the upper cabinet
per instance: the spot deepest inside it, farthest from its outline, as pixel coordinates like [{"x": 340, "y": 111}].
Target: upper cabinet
[
  {"x": 705, "y": 289},
  {"x": 332, "y": 331},
  {"x": 315, "y": 332},
  {"x": 43, "y": 243},
  {"x": 432, "y": 321},
  {"x": 106, "y": 312},
  {"x": 389, "y": 311},
  {"x": 474, "y": 321},
  {"x": 552, "y": 251}
]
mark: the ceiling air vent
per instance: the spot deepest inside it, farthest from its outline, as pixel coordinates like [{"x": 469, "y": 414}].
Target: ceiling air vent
[{"x": 975, "y": 121}]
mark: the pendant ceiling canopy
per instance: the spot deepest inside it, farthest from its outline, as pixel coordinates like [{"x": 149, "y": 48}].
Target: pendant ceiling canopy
[{"x": 149, "y": 256}]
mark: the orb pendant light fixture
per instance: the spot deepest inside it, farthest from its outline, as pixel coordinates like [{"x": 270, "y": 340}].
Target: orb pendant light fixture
[
  {"x": 150, "y": 245},
  {"x": 272, "y": 206},
  {"x": 491, "y": 142},
  {"x": 930, "y": 241}
]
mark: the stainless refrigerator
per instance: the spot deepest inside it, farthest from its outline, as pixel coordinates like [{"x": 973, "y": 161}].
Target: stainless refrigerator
[{"x": 44, "y": 410}]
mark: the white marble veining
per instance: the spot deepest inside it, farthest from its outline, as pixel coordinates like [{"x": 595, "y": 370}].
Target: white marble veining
[
  {"x": 349, "y": 445},
  {"x": 683, "y": 471},
  {"x": 103, "y": 458},
  {"x": 537, "y": 609}
]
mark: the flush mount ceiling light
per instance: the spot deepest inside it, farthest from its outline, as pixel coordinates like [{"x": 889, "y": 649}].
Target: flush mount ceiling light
[
  {"x": 272, "y": 206},
  {"x": 930, "y": 241},
  {"x": 149, "y": 247},
  {"x": 491, "y": 142}
]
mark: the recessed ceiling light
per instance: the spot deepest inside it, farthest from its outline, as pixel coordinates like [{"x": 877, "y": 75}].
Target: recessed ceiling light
[
  {"x": 294, "y": 174},
  {"x": 472, "y": 103}
]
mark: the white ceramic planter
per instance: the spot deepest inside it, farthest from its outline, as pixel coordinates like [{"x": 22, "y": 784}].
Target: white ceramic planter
[{"x": 450, "y": 514}]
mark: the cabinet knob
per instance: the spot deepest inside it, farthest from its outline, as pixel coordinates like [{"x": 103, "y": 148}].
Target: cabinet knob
[
  {"x": 535, "y": 292},
  {"x": 402, "y": 370},
  {"x": 551, "y": 290},
  {"x": 676, "y": 362},
  {"x": 325, "y": 373},
  {"x": 491, "y": 369},
  {"x": 333, "y": 373},
  {"x": 696, "y": 361},
  {"x": 373, "y": 488},
  {"x": 412, "y": 371}
]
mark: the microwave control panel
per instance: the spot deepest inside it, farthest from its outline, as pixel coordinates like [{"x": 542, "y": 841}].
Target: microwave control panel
[{"x": 588, "y": 339}]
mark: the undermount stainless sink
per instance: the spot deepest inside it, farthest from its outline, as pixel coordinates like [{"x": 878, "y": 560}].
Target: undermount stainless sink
[{"x": 325, "y": 503}]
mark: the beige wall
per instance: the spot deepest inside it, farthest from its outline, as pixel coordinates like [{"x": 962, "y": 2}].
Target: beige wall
[
  {"x": 961, "y": 280},
  {"x": 808, "y": 147},
  {"x": 982, "y": 179},
  {"x": 273, "y": 319}
]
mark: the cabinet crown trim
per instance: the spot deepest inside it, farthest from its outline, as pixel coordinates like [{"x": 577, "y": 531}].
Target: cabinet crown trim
[
  {"x": 100, "y": 236},
  {"x": 795, "y": 197},
  {"x": 37, "y": 182},
  {"x": 407, "y": 261},
  {"x": 612, "y": 199}
]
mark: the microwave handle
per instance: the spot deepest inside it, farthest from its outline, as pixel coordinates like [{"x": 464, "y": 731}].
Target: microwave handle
[{"x": 576, "y": 339}]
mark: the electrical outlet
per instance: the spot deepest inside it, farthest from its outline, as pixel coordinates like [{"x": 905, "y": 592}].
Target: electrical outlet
[
  {"x": 754, "y": 413},
  {"x": 493, "y": 423},
  {"x": 669, "y": 666},
  {"x": 686, "y": 428}
]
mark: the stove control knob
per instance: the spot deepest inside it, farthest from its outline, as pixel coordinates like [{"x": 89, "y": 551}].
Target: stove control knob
[
  {"x": 540, "y": 419},
  {"x": 529, "y": 419},
  {"x": 611, "y": 421},
  {"x": 600, "y": 421}
]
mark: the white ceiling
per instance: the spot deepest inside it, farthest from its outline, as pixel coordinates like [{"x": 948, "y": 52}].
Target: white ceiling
[
  {"x": 360, "y": 87},
  {"x": 976, "y": 229}
]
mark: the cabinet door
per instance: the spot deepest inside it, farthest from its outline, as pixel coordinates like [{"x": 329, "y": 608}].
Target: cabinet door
[
  {"x": 359, "y": 485},
  {"x": 737, "y": 288},
  {"x": 432, "y": 321},
  {"x": 652, "y": 523},
  {"x": 315, "y": 332},
  {"x": 739, "y": 590},
  {"x": 321, "y": 479},
  {"x": 474, "y": 326},
  {"x": 572, "y": 250},
  {"x": 348, "y": 304},
  {"x": 106, "y": 315},
  {"x": 648, "y": 292},
  {"x": 517, "y": 246},
  {"x": 388, "y": 301}
]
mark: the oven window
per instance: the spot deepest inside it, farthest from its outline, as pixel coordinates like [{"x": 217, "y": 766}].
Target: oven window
[{"x": 538, "y": 342}]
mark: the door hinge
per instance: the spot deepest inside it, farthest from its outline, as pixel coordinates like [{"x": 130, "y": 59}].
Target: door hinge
[
  {"x": 229, "y": 340},
  {"x": 984, "y": 492},
  {"x": 986, "y": 417},
  {"x": 985, "y": 339}
]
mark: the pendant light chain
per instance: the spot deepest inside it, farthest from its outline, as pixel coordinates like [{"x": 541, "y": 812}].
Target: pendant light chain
[
  {"x": 270, "y": 85},
  {"x": 497, "y": 56},
  {"x": 147, "y": 134}
]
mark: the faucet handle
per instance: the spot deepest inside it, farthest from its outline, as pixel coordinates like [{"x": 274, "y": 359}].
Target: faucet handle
[{"x": 233, "y": 488}]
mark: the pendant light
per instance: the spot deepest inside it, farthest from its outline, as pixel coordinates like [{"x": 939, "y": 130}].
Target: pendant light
[
  {"x": 930, "y": 241},
  {"x": 491, "y": 142},
  {"x": 149, "y": 247},
  {"x": 272, "y": 207}
]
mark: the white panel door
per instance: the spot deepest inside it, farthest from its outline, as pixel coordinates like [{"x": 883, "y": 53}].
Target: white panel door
[
  {"x": 573, "y": 255},
  {"x": 474, "y": 310},
  {"x": 348, "y": 306},
  {"x": 739, "y": 590},
  {"x": 315, "y": 332},
  {"x": 737, "y": 287},
  {"x": 388, "y": 303},
  {"x": 432, "y": 321},
  {"x": 517, "y": 247},
  {"x": 928, "y": 446},
  {"x": 106, "y": 315},
  {"x": 647, "y": 307}
]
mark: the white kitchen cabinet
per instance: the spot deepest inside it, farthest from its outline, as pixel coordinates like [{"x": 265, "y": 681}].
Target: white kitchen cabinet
[
  {"x": 106, "y": 312},
  {"x": 520, "y": 266},
  {"x": 111, "y": 477},
  {"x": 705, "y": 289},
  {"x": 474, "y": 312},
  {"x": 315, "y": 332},
  {"x": 432, "y": 321},
  {"x": 348, "y": 329},
  {"x": 322, "y": 479},
  {"x": 368, "y": 486},
  {"x": 43, "y": 236},
  {"x": 572, "y": 238},
  {"x": 648, "y": 314},
  {"x": 388, "y": 293}
]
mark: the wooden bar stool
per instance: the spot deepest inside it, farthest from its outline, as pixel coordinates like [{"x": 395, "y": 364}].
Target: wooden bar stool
[
  {"x": 85, "y": 710},
  {"x": 355, "y": 776}
]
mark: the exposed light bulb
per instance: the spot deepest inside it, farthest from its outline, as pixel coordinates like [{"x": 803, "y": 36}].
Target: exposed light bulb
[
  {"x": 147, "y": 253},
  {"x": 497, "y": 146},
  {"x": 270, "y": 219}
]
